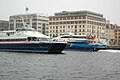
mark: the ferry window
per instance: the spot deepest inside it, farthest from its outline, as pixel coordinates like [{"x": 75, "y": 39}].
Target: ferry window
[
  {"x": 45, "y": 39},
  {"x": 30, "y": 29},
  {"x": 65, "y": 37},
  {"x": 6, "y": 40},
  {"x": 23, "y": 29},
  {"x": 40, "y": 39},
  {"x": 8, "y": 34}
]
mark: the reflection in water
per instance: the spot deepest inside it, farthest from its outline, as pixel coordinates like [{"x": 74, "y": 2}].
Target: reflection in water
[{"x": 101, "y": 65}]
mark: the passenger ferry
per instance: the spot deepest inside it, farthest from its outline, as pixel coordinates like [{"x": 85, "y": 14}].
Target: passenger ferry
[
  {"x": 80, "y": 42},
  {"x": 27, "y": 39}
]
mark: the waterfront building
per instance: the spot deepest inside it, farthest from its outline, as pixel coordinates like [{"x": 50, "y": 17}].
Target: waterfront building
[
  {"x": 117, "y": 36},
  {"x": 110, "y": 32},
  {"x": 79, "y": 22},
  {"x": 36, "y": 21},
  {"x": 4, "y": 25}
]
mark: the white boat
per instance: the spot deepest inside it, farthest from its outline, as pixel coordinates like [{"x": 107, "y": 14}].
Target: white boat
[{"x": 27, "y": 39}]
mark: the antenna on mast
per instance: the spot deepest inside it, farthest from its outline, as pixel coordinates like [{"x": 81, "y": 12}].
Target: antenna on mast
[
  {"x": 28, "y": 17},
  {"x": 26, "y": 9}
]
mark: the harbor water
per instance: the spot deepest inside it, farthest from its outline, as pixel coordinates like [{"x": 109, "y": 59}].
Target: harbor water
[{"x": 72, "y": 65}]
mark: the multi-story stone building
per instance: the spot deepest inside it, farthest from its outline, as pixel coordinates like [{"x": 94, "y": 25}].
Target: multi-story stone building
[
  {"x": 79, "y": 22},
  {"x": 110, "y": 32},
  {"x": 37, "y": 21},
  {"x": 117, "y": 36},
  {"x": 4, "y": 25}
]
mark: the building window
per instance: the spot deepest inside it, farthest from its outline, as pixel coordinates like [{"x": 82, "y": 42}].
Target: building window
[
  {"x": 56, "y": 31},
  {"x": 64, "y": 22},
  {"x": 79, "y": 26},
  {"x": 68, "y": 22},
  {"x": 75, "y": 26},
  {"x": 80, "y": 22},
  {"x": 50, "y": 35},
  {"x": 60, "y": 30},
  {"x": 75, "y": 30},
  {"x": 83, "y": 26},
  {"x": 83, "y": 30},
  {"x": 68, "y": 26},
  {"x": 84, "y": 22},
  {"x": 76, "y": 22},
  {"x": 50, "y": 23},
  {"x": 71, "y": 26},
  {"x": 79, "y": 30},
  {"x": 56, "y": 27},
  {"x": 39, "y": 27}
]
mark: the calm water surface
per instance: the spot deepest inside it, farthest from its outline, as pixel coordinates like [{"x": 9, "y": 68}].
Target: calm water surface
[{"x": 101, "y": 65}]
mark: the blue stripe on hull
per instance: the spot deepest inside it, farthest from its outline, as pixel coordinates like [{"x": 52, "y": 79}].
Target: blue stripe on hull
[
  {"x": 84, "y": 47},
  {"x": 81, "y": 47}
]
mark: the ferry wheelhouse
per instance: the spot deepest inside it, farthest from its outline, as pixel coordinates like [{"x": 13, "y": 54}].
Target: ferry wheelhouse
[{"x": 27, "y": 39}]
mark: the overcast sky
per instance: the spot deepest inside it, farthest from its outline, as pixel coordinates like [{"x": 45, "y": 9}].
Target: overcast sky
[{"x": 109, "y": 8}]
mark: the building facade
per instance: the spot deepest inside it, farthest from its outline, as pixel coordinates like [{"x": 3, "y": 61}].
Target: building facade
[
  {"x": 4, "y": 25},
  {"x": 36, "y": 21},
  {"x": 110, "y": 32},
  {"x": 117, "y": 36},
  {"x": 79, "y": 22}
]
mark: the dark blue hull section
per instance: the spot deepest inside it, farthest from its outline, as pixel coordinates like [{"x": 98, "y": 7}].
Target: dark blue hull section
[{"x": 33, "y": 47}]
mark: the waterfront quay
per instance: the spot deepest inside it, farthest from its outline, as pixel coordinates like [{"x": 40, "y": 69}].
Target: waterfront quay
[
  {"x": 114, "y": 47},
  {"x": 72, "y": 65}
]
